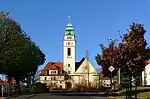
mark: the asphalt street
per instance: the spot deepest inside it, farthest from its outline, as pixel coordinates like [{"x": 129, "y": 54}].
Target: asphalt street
[
  {"x": 67, "y": 97},
  {"x": 84, "y": 95}
]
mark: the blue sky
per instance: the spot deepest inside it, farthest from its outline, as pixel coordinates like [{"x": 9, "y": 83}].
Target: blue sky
[{"x": 93, "y": 20}]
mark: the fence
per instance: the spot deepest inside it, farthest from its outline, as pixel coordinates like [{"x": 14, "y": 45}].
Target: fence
[{"x": 9, "y": 90}]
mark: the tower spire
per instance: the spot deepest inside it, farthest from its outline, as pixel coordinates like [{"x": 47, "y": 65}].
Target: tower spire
[
  {"x": 69, "y": 28},
  {"x": 69, "y": 21}
]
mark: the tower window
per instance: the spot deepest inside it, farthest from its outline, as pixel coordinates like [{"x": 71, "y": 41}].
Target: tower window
[
  {"x": 69, "y": 51},
  {"x": 69, "y": 37},
  {"x": 68, "y": 65}
]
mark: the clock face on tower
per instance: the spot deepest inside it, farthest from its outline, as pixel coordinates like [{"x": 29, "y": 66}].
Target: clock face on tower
[{"x": 68, "y": 43}]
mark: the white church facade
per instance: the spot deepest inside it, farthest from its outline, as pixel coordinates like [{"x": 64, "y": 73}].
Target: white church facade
[{"x": 69, "y": 73}]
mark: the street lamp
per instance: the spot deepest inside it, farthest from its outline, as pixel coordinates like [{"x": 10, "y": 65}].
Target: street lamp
[{"x": 116, "y": 42}]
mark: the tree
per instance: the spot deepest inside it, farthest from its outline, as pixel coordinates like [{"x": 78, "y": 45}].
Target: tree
[
  {"x": 133, "y": 48},
  {"x": 19, "y": 55},
  {"x": 108, "y": 58},
  {"x": 131, "y": 53},
  {"x": 32, "y": 79},
  {"x": 36, "y": 77}
]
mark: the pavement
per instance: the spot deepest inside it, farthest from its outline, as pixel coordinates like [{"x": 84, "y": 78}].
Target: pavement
[
  {"x": 83, "y": 95},
  {"x": 68, "y": 95}
]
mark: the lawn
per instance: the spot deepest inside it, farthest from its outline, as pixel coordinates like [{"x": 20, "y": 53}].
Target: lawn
[
  {"x": 143, "y": 92},
  {"x": 138, "y": 88},
  {"x": 144, "y": 95}
]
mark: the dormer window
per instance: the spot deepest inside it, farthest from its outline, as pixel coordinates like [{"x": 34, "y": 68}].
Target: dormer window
[{"x": 53, "y": 72}]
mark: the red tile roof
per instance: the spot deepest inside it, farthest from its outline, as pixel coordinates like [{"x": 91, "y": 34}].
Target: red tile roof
[
  {"x": 58, "y": 66},
  {"x": 148, "y": 62},
  {"x": 6, "y": 82},
  {"x": 3, "y": 82},
  {"x": 52, "y": 66}
]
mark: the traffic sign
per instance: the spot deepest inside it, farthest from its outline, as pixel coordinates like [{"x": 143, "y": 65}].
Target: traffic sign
[{"x": 111, "y": 68}]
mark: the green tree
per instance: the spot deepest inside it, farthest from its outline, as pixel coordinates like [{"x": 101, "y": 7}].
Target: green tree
[{"x": 19, "y": 55}]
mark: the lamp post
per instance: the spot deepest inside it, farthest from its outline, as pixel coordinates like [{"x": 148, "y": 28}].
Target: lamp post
[{"x": 116, "y": 42}]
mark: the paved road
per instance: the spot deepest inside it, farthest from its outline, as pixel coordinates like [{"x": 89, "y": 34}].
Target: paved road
[
  {"x": 85, "y": 95},
  {"x": 67, "y": 97}
]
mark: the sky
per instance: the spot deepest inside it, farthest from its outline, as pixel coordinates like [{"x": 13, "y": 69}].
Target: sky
[{"x": 94, "y": 21}]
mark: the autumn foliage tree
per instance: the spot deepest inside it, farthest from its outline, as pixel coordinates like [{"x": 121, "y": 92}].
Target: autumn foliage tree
[
  {"x": 130, "y": 55},
  {"x": 108, "y": 58}
]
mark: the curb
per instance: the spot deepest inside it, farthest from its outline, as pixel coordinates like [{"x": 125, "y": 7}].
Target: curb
[
  {"x": 115, "y": 97},
  {"x": 31, "y": 96},
  {"x": 16, "y": 96}
]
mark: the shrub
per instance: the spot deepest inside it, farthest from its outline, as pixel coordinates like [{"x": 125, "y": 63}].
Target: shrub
[
  {"x": 39, "y": 88},
  {"x": 82, "y": 87}
]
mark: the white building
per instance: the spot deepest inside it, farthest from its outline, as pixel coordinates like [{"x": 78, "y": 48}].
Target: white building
[
  {"x": 69, "y": 73},
  {"x": 146, "y": 76}
]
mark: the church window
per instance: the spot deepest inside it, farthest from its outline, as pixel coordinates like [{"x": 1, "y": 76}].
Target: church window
[
  {"x": 45, "y": 78},
  {"x": 68, "y": 65},
  {"x": 68, "y": 72},
  {"x": 69, "y": 51}
]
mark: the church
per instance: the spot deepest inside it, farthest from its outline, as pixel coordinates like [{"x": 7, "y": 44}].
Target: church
[{"x": 69, "y": 73}]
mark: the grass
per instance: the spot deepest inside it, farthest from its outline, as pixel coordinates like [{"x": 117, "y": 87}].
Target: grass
[
  {"x": 144, "y": 95},
  {"x": 142, "y": 92},
  {"x": 138, "y": 88}
]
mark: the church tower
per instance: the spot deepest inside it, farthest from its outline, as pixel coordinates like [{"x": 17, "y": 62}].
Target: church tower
[{"x": 69, "y": 48}]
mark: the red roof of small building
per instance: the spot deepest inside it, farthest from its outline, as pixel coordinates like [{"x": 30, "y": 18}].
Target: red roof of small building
[
  {"x": 58, "y": 66},
  {"x": 3, "y": 82},
  {"x": 148, "y": 62},
  {"x": 52, "y": 66},
  {"x": 6, "y": 82}
]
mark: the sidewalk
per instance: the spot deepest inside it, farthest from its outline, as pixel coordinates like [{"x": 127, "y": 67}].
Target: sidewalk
[
  {"x": 6, "y": 98},
  {"x": 24, "y": 96},
  {"x": 117, "y": 97}
]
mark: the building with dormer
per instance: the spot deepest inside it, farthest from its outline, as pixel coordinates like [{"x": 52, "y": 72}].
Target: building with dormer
[{"x": 69, "y": 73}]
